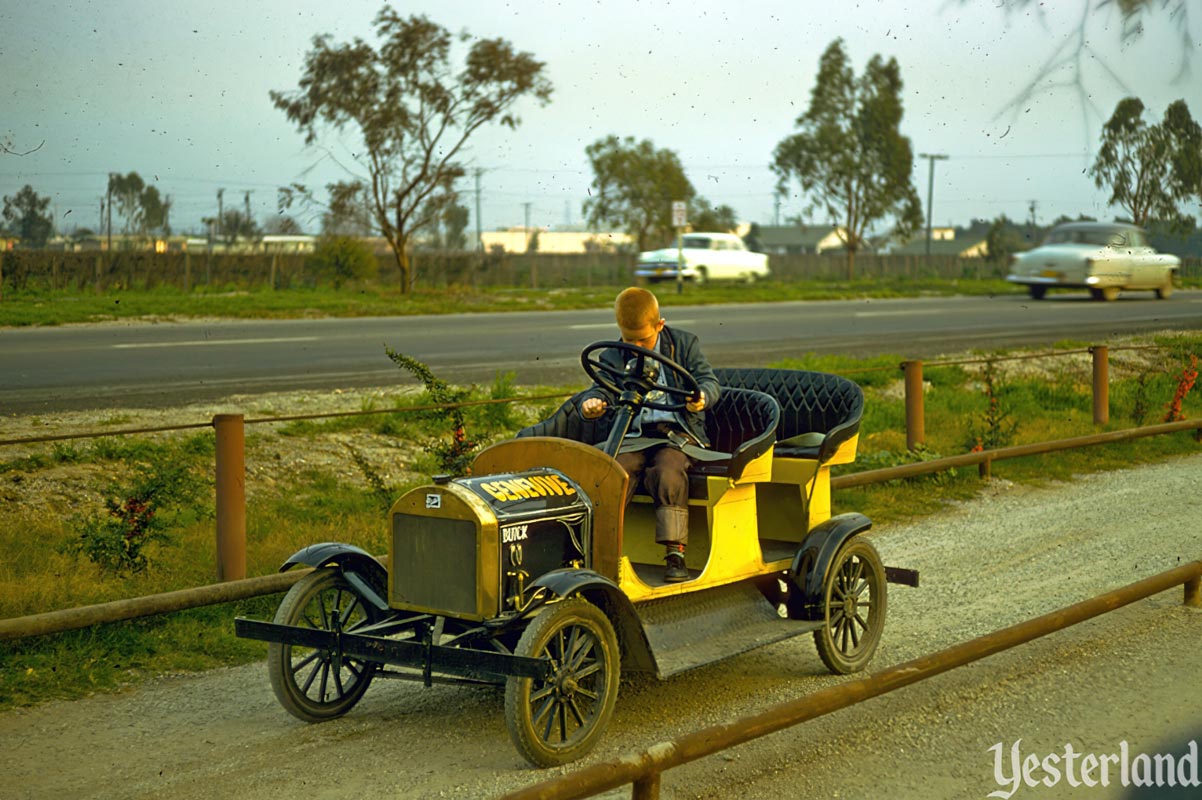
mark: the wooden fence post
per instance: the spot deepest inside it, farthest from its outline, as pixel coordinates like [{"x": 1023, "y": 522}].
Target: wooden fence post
[
  {"x": 1101, "y": 384},
  {"x": 915, "y": 423},
  {"x": 231, "y": 497}
]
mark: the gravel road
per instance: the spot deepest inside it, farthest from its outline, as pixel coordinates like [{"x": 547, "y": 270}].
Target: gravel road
[{"x": 1012, "y": 553}]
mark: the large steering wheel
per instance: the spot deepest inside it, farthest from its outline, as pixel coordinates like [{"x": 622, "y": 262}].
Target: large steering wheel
[{"x": 633, "y": 376}]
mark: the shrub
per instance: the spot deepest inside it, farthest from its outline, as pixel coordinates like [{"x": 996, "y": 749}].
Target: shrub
[
  {"x": 453, "y": 456},
  {"x": 160, "y": 495},
  {"x": 340, "y": 259}
]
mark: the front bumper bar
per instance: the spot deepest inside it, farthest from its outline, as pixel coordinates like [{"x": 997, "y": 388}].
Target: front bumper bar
[{"x": 459, "y": 662}]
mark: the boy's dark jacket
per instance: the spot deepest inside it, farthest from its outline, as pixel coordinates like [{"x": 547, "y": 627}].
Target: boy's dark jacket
[{"x": 685, "y": 349}]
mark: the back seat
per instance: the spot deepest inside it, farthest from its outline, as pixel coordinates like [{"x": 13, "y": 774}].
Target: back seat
[{"x": 818, "y": 411}]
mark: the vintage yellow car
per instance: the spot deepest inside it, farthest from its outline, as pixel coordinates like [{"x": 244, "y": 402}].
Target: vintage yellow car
[{"x": 529, "y": 573}]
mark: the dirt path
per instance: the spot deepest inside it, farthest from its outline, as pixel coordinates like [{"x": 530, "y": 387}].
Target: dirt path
[{"x": 1011, "y": 554}]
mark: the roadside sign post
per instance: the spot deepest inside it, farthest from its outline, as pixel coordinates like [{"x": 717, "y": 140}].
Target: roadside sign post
[{"x": 679, "y": 220}]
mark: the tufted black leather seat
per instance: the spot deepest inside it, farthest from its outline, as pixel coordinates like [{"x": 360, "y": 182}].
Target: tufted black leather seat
[
  {"x": 818, "y": 411},
  {"x": 742, "y": 424}
]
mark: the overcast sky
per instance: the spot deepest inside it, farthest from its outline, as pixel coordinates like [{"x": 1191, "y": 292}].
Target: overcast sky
[{"x": 178, "y": 91}]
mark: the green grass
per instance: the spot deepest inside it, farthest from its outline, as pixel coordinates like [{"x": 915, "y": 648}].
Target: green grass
[
  {"x": 24, "y": 307},
  {"x": 291, "y": 507}
]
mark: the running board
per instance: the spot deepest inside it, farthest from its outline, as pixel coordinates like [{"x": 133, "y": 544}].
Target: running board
[{"x": 698, "y": 628}]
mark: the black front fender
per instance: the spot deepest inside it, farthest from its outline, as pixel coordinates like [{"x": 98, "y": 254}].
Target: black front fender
[
  {"x": 813, "y": 559},
  {"x": 360, "y": 567}
]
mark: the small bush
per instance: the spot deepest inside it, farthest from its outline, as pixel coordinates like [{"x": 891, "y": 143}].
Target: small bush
[
  {"x": 341, "y": 259},
  {"x": 453, "y": 456},
  {"x": 162, "y": 494}
]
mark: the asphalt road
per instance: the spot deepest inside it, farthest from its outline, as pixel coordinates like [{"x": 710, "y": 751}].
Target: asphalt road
[{"x": 155, "y": 364}]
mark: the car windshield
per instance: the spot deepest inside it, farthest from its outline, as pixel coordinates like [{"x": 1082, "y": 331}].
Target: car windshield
[
  {"x": 1097, "y": 238},
  {"x": 698, "y": 242}
]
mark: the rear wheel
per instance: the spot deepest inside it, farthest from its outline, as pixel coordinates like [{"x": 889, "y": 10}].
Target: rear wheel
[
  {"x": 1165, "y": 291},
  {"x": 560, "y": 718},
  {"x": 1037, "y": 292},
  {"x": 1109, "y": 294},
  {"x": 854, "y": 595},
  {"x": 316, "y": 685},
  {"x": 703, "y": 275}
]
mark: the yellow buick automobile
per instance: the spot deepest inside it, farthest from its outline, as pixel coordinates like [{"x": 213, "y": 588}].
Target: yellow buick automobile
[{"x": 530, "y": 574}]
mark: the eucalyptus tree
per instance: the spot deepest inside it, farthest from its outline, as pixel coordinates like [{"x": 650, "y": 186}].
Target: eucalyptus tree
[
  {"x": 413, "y": 110},
  {"x": 1151, "y": 169},
  {"x": 848, "y": 155}
]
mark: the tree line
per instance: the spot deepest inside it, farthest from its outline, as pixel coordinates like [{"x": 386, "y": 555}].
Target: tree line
[{"x": 416, "y": 99}]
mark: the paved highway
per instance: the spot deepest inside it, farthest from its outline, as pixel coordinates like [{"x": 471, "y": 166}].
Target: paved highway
[{"x": 148, "y": 365}]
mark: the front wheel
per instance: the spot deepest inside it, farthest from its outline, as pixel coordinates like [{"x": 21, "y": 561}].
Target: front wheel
[
  {"x": 1166, "y": 291},
  {"x": 854, "y": 595},
  {"x": 1037, "y": 292},
  {"x": 560, "y": 718},
  {"x": 317, "y": 685}
]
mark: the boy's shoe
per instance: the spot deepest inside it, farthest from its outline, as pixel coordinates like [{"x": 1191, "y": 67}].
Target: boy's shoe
[{"x": 675, "y": 570}]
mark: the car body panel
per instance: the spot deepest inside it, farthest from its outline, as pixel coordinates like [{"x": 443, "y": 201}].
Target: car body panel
[{"x": 707, "y": 256}]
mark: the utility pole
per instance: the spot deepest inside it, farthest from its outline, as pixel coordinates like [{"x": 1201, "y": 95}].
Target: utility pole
[
  {"x": 931, "y": 158},
  {"x": 526, "y": 226},
  {"x": 479, "y": 239},
  {"x": 1033, "y": 205},
  {"x": 776, "y": 209},
  {"x": 220, "y": 213},
  {"x": 108, "y": 205},
  {"x": 246, "y": 193}
]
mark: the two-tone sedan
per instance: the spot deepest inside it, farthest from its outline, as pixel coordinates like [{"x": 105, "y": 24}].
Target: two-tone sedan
[
  {"x": 1103, "y": 257},
  {"x": 706, "y": 257}
]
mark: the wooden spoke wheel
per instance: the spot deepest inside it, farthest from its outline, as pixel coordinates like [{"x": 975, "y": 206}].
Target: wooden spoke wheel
[
  {"x": 855, "y": 596},
  {"x": 559, "y": 719},
  {"x": 316, "y": 685}
]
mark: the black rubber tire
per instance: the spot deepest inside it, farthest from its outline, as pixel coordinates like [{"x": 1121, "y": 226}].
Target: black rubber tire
[
  {"x": 1166, "y": 291},
  {"x": 855, "y": 599},
  {"x": 307, "y": 682},
  {"x": 1037, "y": 292},
  {"x": 580, "y": 692},
  {"x": 703, "y": 275}
]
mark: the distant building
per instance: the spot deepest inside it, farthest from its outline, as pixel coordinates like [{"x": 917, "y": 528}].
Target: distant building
[
  {"x": 793, "y": 239},
  {"x": 517, "y": 240},
  {"x": 944, "y": 242}
]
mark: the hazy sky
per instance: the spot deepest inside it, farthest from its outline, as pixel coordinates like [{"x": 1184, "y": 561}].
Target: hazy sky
[{"x": 178, "y": 91}]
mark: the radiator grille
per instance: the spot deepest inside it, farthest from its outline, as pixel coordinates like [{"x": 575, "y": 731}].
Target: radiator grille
[{"x": 434, "y": 563}]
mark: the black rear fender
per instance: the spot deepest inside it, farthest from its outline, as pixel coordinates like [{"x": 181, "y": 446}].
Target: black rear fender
[{"x": 813, "y": 559}]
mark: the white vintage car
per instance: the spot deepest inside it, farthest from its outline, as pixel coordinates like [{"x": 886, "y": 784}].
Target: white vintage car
[
  {"x": 707, "y": 257},
  {"x": 1104, "y": 257}
]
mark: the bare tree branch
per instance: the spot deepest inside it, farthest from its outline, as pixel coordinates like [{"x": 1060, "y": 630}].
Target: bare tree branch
[{"x": 9, "y": 151}]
